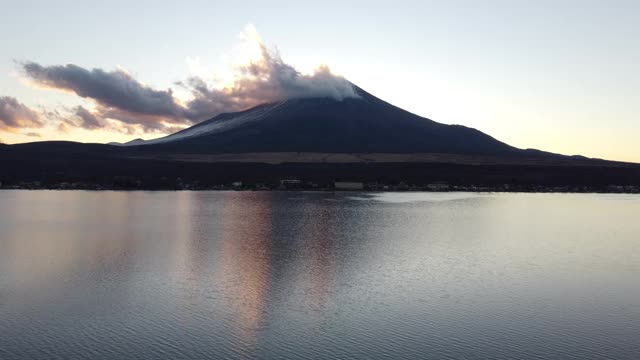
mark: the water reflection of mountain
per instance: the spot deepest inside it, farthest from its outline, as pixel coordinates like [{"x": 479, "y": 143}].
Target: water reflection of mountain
[
  {"x": 282, "y": 259},
  {"x": 277, "y": 258}
]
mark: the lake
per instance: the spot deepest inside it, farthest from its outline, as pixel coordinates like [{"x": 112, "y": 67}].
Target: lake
[{"x": 307, "y": 275}]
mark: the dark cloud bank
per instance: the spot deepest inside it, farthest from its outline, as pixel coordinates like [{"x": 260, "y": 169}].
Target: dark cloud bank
[
  {"x": 124, "y": 104},
  {"x": 15, "y": 116}
]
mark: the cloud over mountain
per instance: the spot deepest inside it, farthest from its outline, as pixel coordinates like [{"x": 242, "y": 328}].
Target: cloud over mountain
[
  {"x": 264, "y": 79},
  {"x": 124, "y": 103},
  {"x": 109, "y": 88},
  {"x": 116, "y": 94}
]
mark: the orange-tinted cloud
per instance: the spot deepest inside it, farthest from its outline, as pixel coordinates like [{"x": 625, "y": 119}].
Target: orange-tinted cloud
[{"x": 15, "y": 115}]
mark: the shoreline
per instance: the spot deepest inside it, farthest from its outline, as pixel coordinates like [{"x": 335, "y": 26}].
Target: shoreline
[{"x": 229, "y": 189}]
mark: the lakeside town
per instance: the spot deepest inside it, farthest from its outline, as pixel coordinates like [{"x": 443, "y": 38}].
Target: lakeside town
[{"x": 127, "y": 183}]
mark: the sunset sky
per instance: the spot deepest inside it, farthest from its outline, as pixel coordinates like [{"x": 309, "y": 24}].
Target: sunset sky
[{"x": 562, "y": 76}]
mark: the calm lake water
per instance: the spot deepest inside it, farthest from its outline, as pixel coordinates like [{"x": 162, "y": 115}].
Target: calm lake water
[{"x": 299, "y": 275}]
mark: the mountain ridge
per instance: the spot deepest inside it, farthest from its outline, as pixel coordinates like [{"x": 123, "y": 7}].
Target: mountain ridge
[{"x": 363, "y": 124}]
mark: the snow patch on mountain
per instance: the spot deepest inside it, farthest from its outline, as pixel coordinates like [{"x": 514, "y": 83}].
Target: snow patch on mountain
[{"x": 220, "y": 123}]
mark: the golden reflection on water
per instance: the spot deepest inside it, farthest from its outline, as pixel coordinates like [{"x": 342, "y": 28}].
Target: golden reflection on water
[
  {"x": 246, "y": 255},
  {"x": 319, "y": 240}
]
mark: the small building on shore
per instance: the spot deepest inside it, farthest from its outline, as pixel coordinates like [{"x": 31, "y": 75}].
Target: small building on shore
[
  {"x": 290, "y": 184},
  {"x": 438, "y": 186}
]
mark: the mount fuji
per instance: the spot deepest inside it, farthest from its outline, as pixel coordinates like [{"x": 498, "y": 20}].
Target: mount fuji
[{"x": 362, "y": 124}]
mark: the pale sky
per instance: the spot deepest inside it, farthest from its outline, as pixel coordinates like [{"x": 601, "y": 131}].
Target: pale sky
[{"x": 560, "y": 76}]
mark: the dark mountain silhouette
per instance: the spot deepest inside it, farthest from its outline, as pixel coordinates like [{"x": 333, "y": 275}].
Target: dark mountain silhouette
[
  {"x": 352, "y": 125},
  {"x": 315, "y": 139}
]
